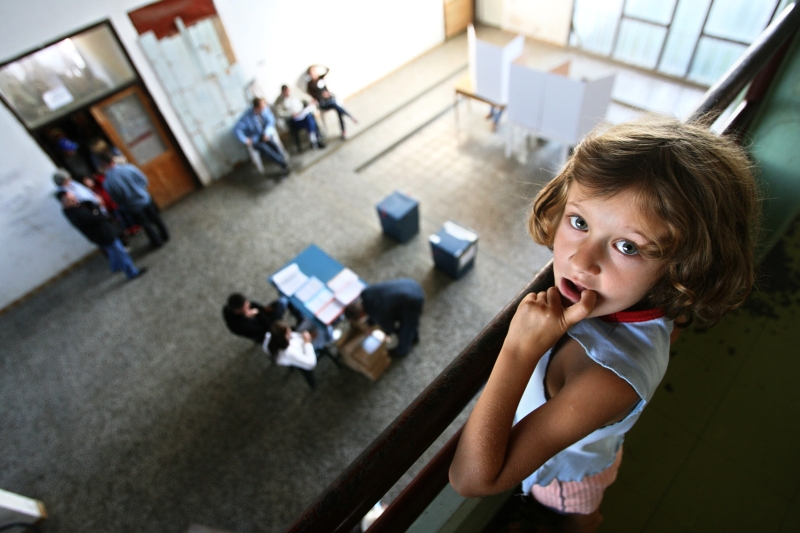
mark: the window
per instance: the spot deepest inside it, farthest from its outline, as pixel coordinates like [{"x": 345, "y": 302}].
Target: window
[
  {"x": 693, "y": 39},
  {"x": 64, "y": 76}
]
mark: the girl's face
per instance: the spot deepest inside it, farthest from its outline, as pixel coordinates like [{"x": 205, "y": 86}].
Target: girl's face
[{"x": 596, "y": 247}]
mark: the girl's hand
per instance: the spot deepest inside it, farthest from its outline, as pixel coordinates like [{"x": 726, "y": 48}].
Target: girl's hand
[
  {"x": 541, "y": 320},
  {"x": 306, "y": 336}
]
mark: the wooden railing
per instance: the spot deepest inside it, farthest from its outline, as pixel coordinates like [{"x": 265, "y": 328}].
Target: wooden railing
[{"x": 340, "y": 507}]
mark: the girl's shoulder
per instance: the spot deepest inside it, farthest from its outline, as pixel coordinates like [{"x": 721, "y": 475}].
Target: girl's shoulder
[{"x": 637, "y": 351}]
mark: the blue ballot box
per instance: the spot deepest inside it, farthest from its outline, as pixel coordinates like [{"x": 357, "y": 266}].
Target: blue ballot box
[
  {"x": 399, "y": 216},
  {"x": 454, "y": 248}
]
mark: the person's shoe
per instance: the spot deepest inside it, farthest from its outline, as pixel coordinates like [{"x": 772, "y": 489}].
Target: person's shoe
[
  {"x": 320, "y": 144},
  {"x": 142, "y": 271}
]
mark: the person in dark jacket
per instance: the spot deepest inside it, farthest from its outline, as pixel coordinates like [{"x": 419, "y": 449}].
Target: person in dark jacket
[
  {"x": 98, "y": 228},
  {"x": 395, "y": 306},
  {"x": 127, "y": 186},
  {"x": 251, "y": 319}
]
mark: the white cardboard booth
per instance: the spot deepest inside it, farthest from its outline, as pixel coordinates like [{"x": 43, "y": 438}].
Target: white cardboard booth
[{"x": 555, "y": 105}]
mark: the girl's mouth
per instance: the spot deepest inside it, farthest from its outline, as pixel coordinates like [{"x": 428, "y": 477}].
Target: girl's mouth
[{"x": 570, "y": 290}]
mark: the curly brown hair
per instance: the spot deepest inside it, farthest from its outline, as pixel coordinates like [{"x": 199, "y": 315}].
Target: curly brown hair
[{"x": 700, "y": 185}]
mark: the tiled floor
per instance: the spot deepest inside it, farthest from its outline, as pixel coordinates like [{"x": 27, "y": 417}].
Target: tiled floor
[{"x": 140, "y": 412}]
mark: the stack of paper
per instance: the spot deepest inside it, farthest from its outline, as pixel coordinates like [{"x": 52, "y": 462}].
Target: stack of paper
[
  {"x": 346, "y": 286},
  {"x": 320, "y": 300},
  {"x": 290, "y": 279},
  {"x": 309, "y": 289},
  {"x": 330, "y": 312}
]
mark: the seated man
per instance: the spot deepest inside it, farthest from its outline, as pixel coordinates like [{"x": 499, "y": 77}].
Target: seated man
[
  {"x": 298, "y": 116},
  {"x": 256, "y": 128},
  {"x": 318, "y": 90},
  {"x": 251, "y": 319},
  {"x": 395, "y": 306}
]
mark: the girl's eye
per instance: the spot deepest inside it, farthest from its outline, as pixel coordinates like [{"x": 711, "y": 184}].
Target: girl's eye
[
  {"x": 578, "y": 223},
  {"x": 626, "y": 247}
]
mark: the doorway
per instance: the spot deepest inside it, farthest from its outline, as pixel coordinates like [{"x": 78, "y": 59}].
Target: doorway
[
  {"x": 127, "y": 122},
  {"x": 73, "y": 92}
]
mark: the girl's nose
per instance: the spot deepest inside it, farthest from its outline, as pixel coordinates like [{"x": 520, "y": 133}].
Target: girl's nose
[{"x": 587, "y": 258}]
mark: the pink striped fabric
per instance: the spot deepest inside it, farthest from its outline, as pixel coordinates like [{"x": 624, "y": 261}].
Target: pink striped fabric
[{"x": 581, "y": 497}]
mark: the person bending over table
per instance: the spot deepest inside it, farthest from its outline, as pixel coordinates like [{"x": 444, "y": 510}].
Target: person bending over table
[
  {"x": 395, "y": 306},
  {"x": 251, "y": 319},
  {"x": 290, "y": 348}
]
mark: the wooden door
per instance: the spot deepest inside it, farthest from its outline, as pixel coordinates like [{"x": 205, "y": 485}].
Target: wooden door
[
  {"x": 130, "y": 121},
  {"x": 457, "y": 16}
]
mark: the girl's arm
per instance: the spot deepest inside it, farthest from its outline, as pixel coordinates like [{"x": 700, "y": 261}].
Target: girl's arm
[{"x": 493, "y": 456}]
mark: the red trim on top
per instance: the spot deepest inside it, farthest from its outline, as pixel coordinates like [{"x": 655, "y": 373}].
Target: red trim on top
[{"x": 633, "y": 316}]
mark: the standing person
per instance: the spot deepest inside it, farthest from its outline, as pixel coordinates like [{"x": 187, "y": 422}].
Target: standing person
[
  {"x": 98, "y": 228},
  {"x": 649, "y": 222},
  {"x": 127, "y": 186},
  {"x": 64, "y": 182},
  {"x": 395, "y": 306},
  {"x": 298, "y": 116},
  {"x": 256, "y": 128},
  {"x": 318, "y": 90}
]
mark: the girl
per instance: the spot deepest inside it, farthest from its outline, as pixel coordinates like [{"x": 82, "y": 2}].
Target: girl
[
  {"x": 649, "y": 222},
  {"x": 289, "y": 348}
]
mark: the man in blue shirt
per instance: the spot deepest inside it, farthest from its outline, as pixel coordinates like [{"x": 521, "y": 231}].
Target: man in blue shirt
[
  {"x": 256, "y": 128},
  {"x": 64, "y": 182},
  {"x": 127, "y": 186}
]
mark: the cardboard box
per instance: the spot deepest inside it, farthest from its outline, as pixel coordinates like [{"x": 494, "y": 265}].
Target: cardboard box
[{"x": 364, "y": 350}]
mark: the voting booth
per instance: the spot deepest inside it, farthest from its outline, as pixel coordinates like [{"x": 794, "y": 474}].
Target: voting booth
[
  {"x": 399, "y": 216},
  {"x": 555, "y": 105},
  {"x": 454, "y": 248},
  {"x": 490, "y": 64}
]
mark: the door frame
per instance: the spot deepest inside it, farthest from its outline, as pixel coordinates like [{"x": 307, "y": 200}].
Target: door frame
[{"x": 38, "y": 133}]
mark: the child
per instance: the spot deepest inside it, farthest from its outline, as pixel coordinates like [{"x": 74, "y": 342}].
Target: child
[{"x": 649, "y": 222}]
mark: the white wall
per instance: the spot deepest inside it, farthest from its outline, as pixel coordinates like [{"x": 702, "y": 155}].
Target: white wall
[
  {"x": 274, "y": 40},
  {"x": 360, "y": 40},
  {"x": 546, "y": 20}
]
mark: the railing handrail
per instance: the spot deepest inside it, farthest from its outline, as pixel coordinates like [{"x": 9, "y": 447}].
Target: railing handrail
[
  {"x": 340, "y": 506},
  {"x": 395, "y": 450}
]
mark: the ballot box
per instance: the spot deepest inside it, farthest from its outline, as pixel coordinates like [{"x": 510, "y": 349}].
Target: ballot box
[
  {"x": 364, "y": 350},
  {"x": 399, "y": 216},
  {"x": 454, "y": 248}
]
